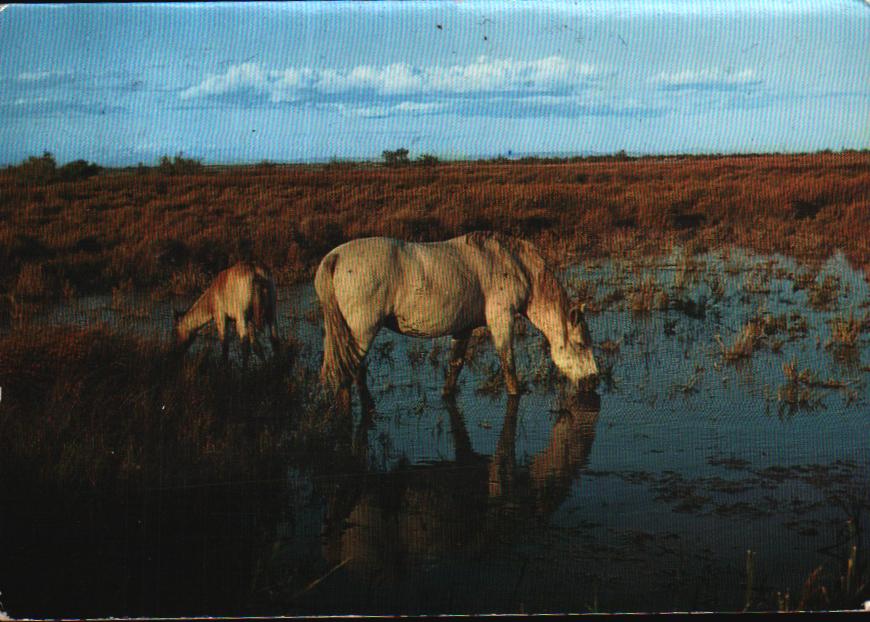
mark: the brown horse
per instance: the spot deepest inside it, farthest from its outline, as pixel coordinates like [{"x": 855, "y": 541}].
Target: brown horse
[
  {"x": 244, "y": 293},
  {"x": 444, "y": 288}
]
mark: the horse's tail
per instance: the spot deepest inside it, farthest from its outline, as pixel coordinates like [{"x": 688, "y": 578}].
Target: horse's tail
[{"x": 341, "y": 353}]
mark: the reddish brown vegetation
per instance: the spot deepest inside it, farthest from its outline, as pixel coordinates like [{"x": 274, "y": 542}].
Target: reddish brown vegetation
[{"x": 163, "y": 230}]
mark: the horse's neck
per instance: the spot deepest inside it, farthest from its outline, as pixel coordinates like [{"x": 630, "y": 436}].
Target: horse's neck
[
  {"x": 546, "y": 308},
  {"x": 200, "y": 313}
]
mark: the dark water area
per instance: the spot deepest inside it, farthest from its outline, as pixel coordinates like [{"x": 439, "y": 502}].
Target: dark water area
[{"x": 643, "y": 496}]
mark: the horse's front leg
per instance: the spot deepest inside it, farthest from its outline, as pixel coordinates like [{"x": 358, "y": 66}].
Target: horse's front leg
[
  {"x": 500, "y": 321},
  {"x": 458, "y": 347}
]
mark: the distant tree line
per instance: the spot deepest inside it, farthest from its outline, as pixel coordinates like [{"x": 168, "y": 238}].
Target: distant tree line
[{"x": 44, "y": 168}]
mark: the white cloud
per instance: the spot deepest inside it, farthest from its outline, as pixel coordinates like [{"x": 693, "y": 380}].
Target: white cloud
[
  {"x": 483, "y": 75},
  {"x": 43, "y": 76},
  {"x": 709, "y": 77},
  {"x": 385, "y": 110},
  {"x": 247, "y": 76}
]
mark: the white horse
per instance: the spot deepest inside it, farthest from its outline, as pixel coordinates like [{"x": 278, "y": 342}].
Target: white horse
[
  {"x": 444, "y": 288},
  {"x": 244, "y": 293}
]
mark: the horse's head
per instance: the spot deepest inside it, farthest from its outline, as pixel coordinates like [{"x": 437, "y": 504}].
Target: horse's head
[{"x": 574, "y": 355}]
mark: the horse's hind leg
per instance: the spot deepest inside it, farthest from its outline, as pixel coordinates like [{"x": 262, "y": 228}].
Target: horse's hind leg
[{"x": 458, "y": 347}]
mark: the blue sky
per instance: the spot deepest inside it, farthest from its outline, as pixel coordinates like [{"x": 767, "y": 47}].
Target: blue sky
[{"x": 120, "y": 84}]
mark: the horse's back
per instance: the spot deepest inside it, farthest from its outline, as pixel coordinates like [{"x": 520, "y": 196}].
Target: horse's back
[{"x": 425, "y": 289}]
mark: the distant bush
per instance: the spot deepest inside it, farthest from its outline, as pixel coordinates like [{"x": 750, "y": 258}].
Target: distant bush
[
  {"x": 77, "y": 169},
  {"x": 399, "y": 157},
  {"x": 43, "y": 169},
  {"x": 36, "y": 169},
  {"x": 427, "y": 159},
  {"x": 179, "y": 165}
]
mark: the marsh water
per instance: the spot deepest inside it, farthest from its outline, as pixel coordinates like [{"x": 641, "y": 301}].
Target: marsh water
[{"x": 687, "y": 481}]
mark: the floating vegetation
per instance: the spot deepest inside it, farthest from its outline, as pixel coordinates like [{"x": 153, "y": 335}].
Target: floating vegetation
[
  {"x": 757, "y": 282},
  {"x": 747, "y": 341},
  {"x": 762, "y": 330},
  {"x": 824, "y": 295},
  {"x": 612, "y": 297},
  {"x": 797, "y": 325},
  {"x": 647, "y": 297},
  {"x": 716, "y": 285},
  {"x": 435, "y": 354},
  {"x": 609, "y": 346},
  {"x": 688, "y": 271},
  {"x": 695, "y": 309},
  {"x": 799, "y": 390},
  {"x": 691, "y": 384},
  {"x": 809, "y": 378},
  {"x": 802, "y": 280},
  {"x": 845, "y": 331},
  {"x": 384, "y": 350},
  {"x": 584, "y": 291},
  {"x": 416, "y": 353},
  {"x": 493, "y": 382}
]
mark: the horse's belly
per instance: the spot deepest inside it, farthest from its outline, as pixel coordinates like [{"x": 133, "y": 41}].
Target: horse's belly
[{"x": 434, "y": 316}]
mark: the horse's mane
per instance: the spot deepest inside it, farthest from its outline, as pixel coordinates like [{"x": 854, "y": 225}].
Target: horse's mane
[{"x": 545, "y": 285}]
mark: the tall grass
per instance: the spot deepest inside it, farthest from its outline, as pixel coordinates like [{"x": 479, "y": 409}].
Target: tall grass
[{"x": 146, "y": 224}]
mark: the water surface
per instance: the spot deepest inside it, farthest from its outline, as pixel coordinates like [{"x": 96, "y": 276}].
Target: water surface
[{"x": 644, "y": 496}]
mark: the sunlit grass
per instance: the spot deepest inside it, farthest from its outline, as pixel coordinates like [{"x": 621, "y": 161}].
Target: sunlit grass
[{"x": 168, "y": 224}]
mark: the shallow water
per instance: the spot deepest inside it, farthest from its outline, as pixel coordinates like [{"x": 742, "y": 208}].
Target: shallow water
[{"x": 646, "y": 496}]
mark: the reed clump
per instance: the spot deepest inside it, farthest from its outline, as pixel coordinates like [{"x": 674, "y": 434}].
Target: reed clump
[
  {"x": 846, "y": 587},
  {"x": 648, "y": 296},
  {"x": 825, "y": 294},
  {"x": 747, "y": 341},
  {"x": 845, "y": 331},
  {"x": 759, "y": 331}
]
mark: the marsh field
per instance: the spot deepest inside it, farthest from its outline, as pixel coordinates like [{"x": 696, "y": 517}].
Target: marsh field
[{"x": 721, "y": 464}]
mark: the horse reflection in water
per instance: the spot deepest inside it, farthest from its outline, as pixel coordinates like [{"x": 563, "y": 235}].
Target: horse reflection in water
[{"x": 379, "y": 526}]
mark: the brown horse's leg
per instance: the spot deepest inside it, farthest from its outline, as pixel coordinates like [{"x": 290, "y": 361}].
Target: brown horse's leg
[
  {"x": 458, "y": 347},
  {"x": 223, "y": 336}
]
